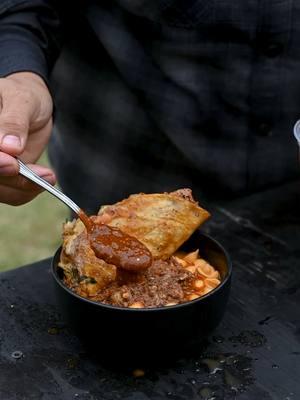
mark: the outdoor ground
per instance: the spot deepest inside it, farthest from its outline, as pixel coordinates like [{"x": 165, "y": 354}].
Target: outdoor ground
[{"x": 31, "y": 232}]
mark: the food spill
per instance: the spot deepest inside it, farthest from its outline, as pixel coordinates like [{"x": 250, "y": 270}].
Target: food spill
[
  {"x": 206, "y": 393},
  {"x": 213, "y": 365},
  {"x": 233, "y": 370},
  {"x": 229, "y": 374},
  {"x": 233, "y": 382}
]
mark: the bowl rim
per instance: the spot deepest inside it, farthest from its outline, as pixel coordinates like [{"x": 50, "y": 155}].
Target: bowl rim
[{"x": 149, "y": 309}]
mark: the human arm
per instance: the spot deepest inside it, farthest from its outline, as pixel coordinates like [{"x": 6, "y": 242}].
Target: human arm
[{"x": 30, "y": 41}]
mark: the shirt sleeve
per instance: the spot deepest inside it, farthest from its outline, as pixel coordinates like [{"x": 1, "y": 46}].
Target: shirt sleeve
[{"x": 30, "y": 36}]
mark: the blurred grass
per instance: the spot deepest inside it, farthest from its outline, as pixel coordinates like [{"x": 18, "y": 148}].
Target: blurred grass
[{"x": 30, "y": 232}]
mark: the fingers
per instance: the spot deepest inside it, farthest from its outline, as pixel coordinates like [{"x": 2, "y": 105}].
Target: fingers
[
  {"x": 16, "y": 197},
  {"x": 18, "y": 190},
  {"x": 36, "y": 143},
  {"x": 8, "y": 165},
  {"x": 17, "y": 110},
  {"x": 25, "y": 127},
  {"x": 21, "y": 183}
]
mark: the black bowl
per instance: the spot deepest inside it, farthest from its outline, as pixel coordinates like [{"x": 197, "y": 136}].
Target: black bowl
[{"x": 154, "y": 333}]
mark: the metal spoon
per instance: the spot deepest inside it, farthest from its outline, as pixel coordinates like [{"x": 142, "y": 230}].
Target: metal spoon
[
  {"x": 29, "y": 174},
  {"x": 122, "y": 250}
]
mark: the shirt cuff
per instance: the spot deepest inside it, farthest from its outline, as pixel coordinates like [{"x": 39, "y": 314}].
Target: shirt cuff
[{"x": 20, "y": 56}]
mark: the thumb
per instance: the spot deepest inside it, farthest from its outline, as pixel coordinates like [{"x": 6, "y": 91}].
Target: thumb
[{"x": 15, "y": 119}]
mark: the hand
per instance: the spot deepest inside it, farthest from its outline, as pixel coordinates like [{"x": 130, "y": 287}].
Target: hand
[{"x": 25, "y": 127}]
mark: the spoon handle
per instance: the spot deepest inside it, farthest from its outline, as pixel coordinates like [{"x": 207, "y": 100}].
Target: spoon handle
[{"x": 29, "y": 174}]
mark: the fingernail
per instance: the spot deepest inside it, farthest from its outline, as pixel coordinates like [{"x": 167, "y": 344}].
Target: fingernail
[{"x": 11, "y": 140}]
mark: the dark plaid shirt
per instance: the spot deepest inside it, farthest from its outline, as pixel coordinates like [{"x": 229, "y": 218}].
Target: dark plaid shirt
[{"x": 156, "y": 94}]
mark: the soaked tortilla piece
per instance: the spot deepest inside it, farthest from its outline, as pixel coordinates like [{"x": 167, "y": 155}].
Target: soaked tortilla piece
[
  {"x": 161, "y": 221},
  {"x": 82, "y": 269}
]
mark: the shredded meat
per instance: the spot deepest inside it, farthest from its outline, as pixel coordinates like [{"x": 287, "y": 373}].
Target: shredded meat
[{"x": 163, "y": 283}]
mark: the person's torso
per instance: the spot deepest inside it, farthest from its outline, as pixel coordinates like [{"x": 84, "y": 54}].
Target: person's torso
[{"x": 206, "y": 90}]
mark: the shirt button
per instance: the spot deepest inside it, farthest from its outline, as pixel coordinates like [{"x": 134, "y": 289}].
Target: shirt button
[
  {"x": 264, "y": 129},
  {"x": 273, "y": 49}
]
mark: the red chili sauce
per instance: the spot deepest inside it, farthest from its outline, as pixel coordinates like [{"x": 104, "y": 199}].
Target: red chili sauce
[{"x": 116, "y": 247}]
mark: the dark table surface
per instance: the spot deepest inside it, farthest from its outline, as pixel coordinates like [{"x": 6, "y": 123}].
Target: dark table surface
[{"x": 253, "y": 354}]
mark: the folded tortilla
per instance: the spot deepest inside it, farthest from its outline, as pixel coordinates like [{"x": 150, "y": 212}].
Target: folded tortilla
[{"x": 161, "y": 221}]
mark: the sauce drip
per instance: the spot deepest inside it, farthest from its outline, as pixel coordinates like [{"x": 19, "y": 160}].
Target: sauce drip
[
  {"x": 116, "y": 247},
  {"x": 85, "y": 219}
]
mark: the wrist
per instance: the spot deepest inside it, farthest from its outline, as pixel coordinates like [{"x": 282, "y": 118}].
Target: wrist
[{"x": 27, "y": 76}]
